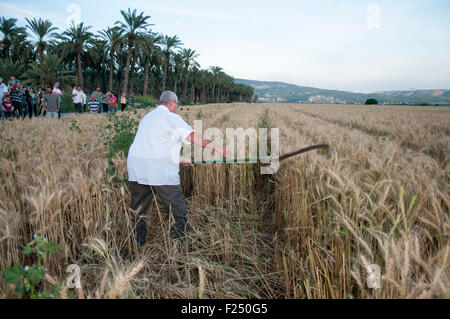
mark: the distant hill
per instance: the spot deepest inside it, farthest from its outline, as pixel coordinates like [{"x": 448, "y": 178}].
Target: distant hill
[{"x": 284, "y": 92}]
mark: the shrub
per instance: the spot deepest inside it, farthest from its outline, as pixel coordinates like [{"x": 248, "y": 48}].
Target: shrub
[
  {"x": 372, "y": 102},
  {"x": 27, "y": 280}
]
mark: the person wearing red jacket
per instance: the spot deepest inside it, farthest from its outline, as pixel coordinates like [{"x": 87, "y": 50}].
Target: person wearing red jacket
[{"x": 7, "y": 107}]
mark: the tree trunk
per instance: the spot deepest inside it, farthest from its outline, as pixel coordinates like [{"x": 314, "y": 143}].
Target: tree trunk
[
  {"x": 127, "y": 68},
  {"x": 165, "y": 71},
  {"x": 6, "y": 51},
  {"x": 185, "y": 81},
  {"x": 133, "y": 67},
  {"x": 192, "y": 91},
  {"x": 111, "y": 69},
  {"x": 147, "y": 64},
  {"x": 79, "y": 72},
  {"x": 175, "y": 84}
]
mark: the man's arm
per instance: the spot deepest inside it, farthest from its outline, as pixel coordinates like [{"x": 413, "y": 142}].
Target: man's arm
[{"x": 198, "y": 139}]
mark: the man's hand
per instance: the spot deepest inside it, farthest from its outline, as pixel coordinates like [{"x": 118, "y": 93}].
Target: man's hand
[
  {"x": 198, "y": 139},
  {"x": 186, "y": 162},
  {"x": 221, "y": 149}
]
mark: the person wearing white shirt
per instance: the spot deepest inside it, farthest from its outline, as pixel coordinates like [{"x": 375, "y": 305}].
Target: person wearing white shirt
[
  {"x": 58, "y": 92},
  {"x": 78, "y": 100},
  {"x": 3, "y": 91},
  {"x": 154, "y": 162}
]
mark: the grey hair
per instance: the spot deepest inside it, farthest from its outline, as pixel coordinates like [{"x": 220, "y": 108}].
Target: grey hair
[
  {"x": 167, "y": 97},
  {"x": 1, "y": 79}
]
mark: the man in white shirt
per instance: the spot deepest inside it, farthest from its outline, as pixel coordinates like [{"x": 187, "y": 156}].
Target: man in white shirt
[
  {"x": 154, "y": 163},
  {"x": 58, "y": 92}
]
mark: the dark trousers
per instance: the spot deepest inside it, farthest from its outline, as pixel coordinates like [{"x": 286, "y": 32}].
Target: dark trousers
[
  {"x": 105, "y": 108},
  {"x": 18, "y": 107},
  {"x": 124, "y": 106},
  {"x": 77, "y": 107},
  {"x": 172, "y": 198}
]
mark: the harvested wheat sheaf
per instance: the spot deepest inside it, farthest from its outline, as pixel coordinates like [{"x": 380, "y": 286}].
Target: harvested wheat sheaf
[{"x": 379, "y": 196}]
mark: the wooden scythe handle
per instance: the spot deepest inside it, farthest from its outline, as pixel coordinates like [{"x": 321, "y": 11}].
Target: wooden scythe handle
[{"x": 303, "y": 150}]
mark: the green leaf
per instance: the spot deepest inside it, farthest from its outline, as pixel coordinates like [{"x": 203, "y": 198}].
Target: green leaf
[
  {"x": 27, "y": 250},
  {"x": 52, "y": 247},
  {"x": 35, "y": 276},
  {"x": 12, "y": 275}
]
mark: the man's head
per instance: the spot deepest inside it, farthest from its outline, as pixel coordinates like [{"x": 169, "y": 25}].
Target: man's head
[
  {"x": 93, "y": 98},
  {"x": 98, "y": 89},
  {"x": 170, "y": 100},
  {"x": 49, "y": 89},
  {"x": 56, "y": 85}
]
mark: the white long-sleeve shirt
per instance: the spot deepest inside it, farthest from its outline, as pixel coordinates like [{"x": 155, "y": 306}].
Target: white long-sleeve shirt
[{"x": 154, "y": 156}]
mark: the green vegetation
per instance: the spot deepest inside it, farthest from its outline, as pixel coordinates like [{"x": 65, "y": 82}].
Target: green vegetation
[
  {"x": 372, "y": 102},
  {"x": 27, "y": 279},
  {"x": 119, "y": 134}
]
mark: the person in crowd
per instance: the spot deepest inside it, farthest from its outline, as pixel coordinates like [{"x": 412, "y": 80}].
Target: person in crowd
[
  {"x": 16, "y": 94},
  {"x": 83, "y": 100},
  {"x": 12, "y": 82},
  {"x": 33, "y": 102},
  {"x": 77, "y": 98},
  {"x": 51, "y": 103},
  {"x": 123, "y": 102},
  {"x": 74, "y": 94},
  {"x": 113, "y": 102},
  {"x": 25, "y": 102},
  {"x": 40, "y": 98},
  {"x": 93, "y": 105},
  {"x": 105, "y": 102},
  {"x": 59, "y": 93},
  {"x": 7, "y": 107},
  {"x": 97, "y": 94},
  {"x": 3, "y": 92},
  {"x": 132, "y": 100}
]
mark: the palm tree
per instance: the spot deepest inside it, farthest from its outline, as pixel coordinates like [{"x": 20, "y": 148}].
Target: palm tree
[
  {"x": 9, "y": 68},
  {"x": 41, "y": 29},
  {"x": 75, "y": 39},
  {"x": 97, "y": 53},
  {"x": 178, "y": 68},
  {"x": 169, "y": 43},
  {"x": 114, "y": 39},
  {"x": 49, "y": 69},
  {"x": 10, "y": 31},
  {"x": 189, "y": 57},
  {"x": 133, "y": 24},
  {"x": 216, "y": 72},
  {"x": 149, "y": 44}
]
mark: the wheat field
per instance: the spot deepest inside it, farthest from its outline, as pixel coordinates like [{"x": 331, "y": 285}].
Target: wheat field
[{"x": 378, "y": 196}]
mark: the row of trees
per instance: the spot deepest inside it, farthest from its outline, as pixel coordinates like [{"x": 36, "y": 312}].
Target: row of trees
[{"x": 128, "y": 58}]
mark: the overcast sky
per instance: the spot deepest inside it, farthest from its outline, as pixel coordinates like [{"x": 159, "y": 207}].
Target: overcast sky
[{"x": 361, "y": 46}]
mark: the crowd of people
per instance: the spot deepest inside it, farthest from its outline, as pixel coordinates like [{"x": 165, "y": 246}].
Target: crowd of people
[{"x": 19, "y": 101}]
